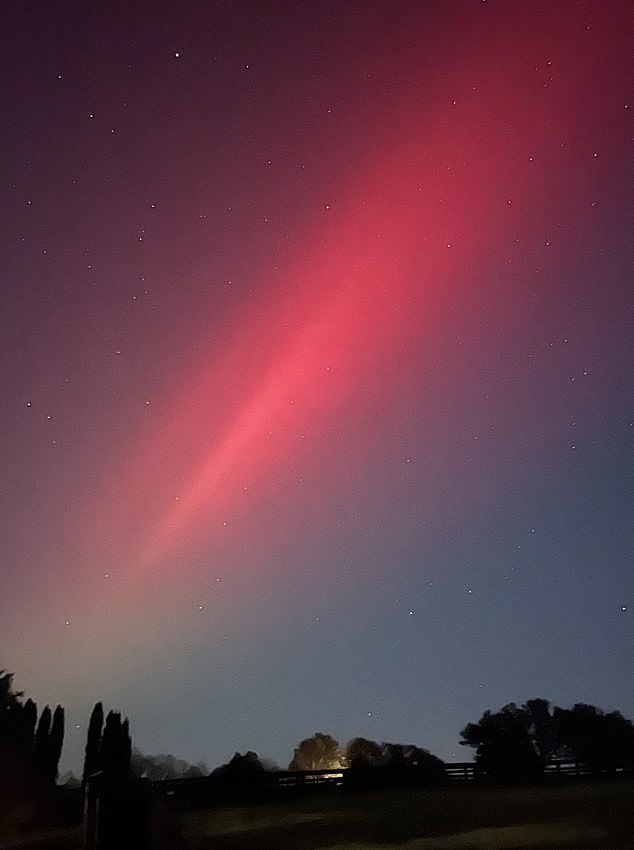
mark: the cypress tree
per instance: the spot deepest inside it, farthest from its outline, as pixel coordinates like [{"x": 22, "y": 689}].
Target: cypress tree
[
  {"x": 92, "y": 759},
  {"x": 55, "y": 743},
  {"x": 111, "y": 744},
  {"x": 126, "y": 747},
  {"x": 10, "y": 709},
  {"x": 116, "y": 746},
  {"x": 29, "y": 720},
  {"x": 40, "y": 746}
]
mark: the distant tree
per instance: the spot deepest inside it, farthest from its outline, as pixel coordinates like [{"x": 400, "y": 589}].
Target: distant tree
[
  {"x": 126, "y": 746},
  {"x": 27, "y": 751},
  {"x": 164, "y": 766},
  {"x": 29, "y": 721},
  {"x": 48, "y": 740},
  {"x": 55, "y": 744},
  {"x": 419, "y": 763},
  {"x": 9, "y": 699},
  {"x": 361, "y": 753},
  {"x": 196, "y": 771},
  {"x": 376, "y": 765},
  {"x": 395, "y": 755},
  {"x": 241, "y": 773},
  {"x": 601, "y": 741},
  {"x": 41, "y": 744},
  {"x": 517, "y": 742},
  {"x": 15, "y": 757},
  {"x": 541, "y": 725},
  {"x": 92, "y": 758},
  {"x": 116, "y": 746},
  {"x": 108, "y": 745},
  {"x": 124, "y": 749},
  {"x": 504, "y": 747},
  {"x": 321, "y": 752},
  {"x": 15, "y": 718},
  {"x": 110, "y": 742}
]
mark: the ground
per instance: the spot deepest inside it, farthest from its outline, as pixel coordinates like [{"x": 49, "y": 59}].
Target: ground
[
  {"x": 578, "y": 817},
  {"x": 586, "y": 816}
]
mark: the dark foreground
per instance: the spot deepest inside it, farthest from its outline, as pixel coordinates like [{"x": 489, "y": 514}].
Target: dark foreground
[
  {"x": 578, "y": 817},
  {"x": 584, "y": 816}
]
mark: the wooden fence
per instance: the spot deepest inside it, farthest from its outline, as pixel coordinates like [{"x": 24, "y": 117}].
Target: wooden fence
[{"x": 456, "y": 772}]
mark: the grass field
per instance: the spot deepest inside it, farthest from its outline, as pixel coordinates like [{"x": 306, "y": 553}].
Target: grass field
[
  {"x": 576, "y": 817},
  {"x": 585, "y": 816}
]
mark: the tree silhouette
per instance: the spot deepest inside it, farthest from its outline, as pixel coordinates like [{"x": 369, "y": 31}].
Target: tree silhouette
[
  {"x": 504, "y": 747},
  {"x": 55, "y": 743},
  {"x": 541, "y": 726},
  {"x": 321, "y": 752},
  {"x": 377, "y": 765},
  {"x": 92, "y": 758},
  {"x": 362, "y": 753},
  {"x": 40, "y": 746},
  {"x": 115, "y": 746},
  {"x": 600, "y": 741},
  {"x": 117, "y": 812},
  {"x": 11, "y": 711},
  {"x": 416, "y": 762},
  {"x": 29, "y": 721},
  {"x": 8, "y": 697},
  {"x": 517, "y": 742},
  {"x": 126, "y": 747},
  {"x": 242, "y": 773},
  {"x": 164, "y": 766},
  {"x": 29, "y": 756}
]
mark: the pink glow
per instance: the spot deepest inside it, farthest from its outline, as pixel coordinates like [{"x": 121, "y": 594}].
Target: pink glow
[{"x": 445, "y": 186}]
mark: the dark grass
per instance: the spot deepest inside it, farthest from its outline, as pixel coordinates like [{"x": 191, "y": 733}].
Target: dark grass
[
  {"x": 579, "y": 817},
  {"x": 583, "y": 816},
  {"x": 66, "y": 838}
]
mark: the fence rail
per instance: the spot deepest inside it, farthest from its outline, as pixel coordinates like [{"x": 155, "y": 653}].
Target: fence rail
[{"x": 455, "y": 772}]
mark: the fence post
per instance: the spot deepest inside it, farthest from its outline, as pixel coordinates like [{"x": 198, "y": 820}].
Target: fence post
[
  {"x": 91, "y": 815},
  {"x": 117, "y": 814}
]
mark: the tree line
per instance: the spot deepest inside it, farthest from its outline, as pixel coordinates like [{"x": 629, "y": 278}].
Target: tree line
[
  {"x": 37, "y": 743},
  {"x": 517, "y": 742},
  {"x": 512, "y": 744},
  {"x": 30, "y": 750},
  {"x": 367, "y": 761}
]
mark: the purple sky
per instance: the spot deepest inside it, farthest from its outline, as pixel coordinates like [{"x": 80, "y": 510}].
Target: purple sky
[{"x": 316, "y": 385}]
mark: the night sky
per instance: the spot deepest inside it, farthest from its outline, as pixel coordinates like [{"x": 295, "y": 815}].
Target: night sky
[{"x": 317, "y": 356}]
